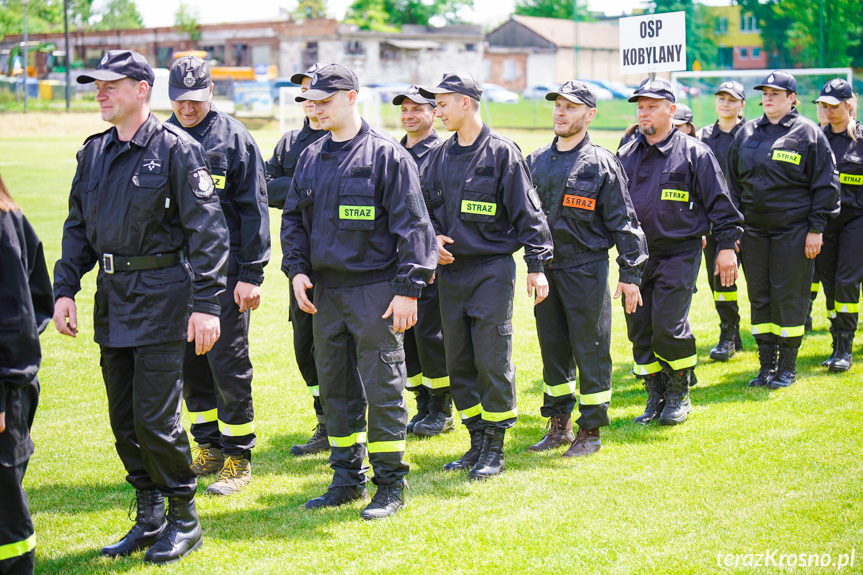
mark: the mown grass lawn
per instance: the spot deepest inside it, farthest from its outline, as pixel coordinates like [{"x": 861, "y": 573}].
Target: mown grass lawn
[{"x": 750, "y": 471}]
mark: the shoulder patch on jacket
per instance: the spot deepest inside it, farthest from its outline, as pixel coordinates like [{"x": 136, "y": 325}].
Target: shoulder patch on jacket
[{"x": 201, "y": 182}]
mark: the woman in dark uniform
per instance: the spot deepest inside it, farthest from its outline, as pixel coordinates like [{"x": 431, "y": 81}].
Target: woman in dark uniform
[
  {"x": 840, "y": 264},
  {"x": 781, "y": 173},
  {"x": 26, "y": 307}
]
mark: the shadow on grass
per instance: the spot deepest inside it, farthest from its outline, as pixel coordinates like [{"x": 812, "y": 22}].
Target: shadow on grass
[
  {"x": 87, "y": 562},
  {"x": 276, "y": 457},
  {"x": 71, "y": 499}
]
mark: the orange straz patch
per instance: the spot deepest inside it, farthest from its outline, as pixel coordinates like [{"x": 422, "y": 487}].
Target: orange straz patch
[{"x": 578, "y": 202}]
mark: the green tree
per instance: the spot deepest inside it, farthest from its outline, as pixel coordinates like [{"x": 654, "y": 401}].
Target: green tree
[
  {"x": 553, "y": 9},
  {"x": 119, "y": 15},
  {"x": 308, "y": 9},
  {"x": 186, "y": 20},
  {"x": 387, "y": 15},
  {"x": 699, "y": 46}
]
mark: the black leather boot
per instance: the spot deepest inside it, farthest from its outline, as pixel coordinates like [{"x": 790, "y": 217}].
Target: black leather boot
[
  {"x": 826, "y": 363},
  {"x": 843, "y": 360},
  {"x": 336, "y": 496},
  {"x": 439, "y": 419},
  {"x": 786, "y": 371},
  {"x": 149, "y": 524},
  {"x": 181, "y": 536},
  {"x": 318, "y": 442},
  {"x": 767, "y": 359},
  {"x": 655, "y": 384},
  {"x": 422, "y": 395},
  {"x": 387, "y": 500},
  {"x": 471, "y": 456},
  {"x": 727, "y": 345},
  {"x": 490, "y": 461},
  {"x": 677, "y": 404}
]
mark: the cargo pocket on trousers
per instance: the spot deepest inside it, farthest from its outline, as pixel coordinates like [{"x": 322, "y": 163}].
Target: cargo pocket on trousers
[
  {"x": 388, "y": 367},
  {"x": 504, "y": 344}
]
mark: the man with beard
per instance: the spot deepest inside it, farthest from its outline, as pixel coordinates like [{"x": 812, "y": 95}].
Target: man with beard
[{"x": 584, "y": 195}]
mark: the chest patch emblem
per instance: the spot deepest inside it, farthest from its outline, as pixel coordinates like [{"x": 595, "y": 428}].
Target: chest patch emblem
[
  {"x": 570, "y": 201},
  {"x": 790, "y": 157},
  {"x": 482, "y": 208},
  {"x": 152, "y": 166},
  {"x": 675, "y": 195},
  {"x": 201, "y": 182}
]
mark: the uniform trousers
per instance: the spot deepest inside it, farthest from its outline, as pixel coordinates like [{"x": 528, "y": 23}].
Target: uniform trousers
[
  {"x": 217, "y": 386},
  {"x": 145, "y": 394},
  {"x": 425, "y": 357},
  {"x": 840, "y": 266},
  {"x": 304, "y": 349},
  {"x": 724, "y": 298}
]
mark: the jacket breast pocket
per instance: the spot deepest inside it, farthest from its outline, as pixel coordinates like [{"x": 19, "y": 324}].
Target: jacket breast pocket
[
  {"x": 851, "y": 171},
  {"x": 89, "y": 199},
  {"x": 357, "y": 209},
  {"x": 675, "y": 193},
  {"x": 787, "y": 153},
  {"x": 433, "y": 196},
  {"x": 479, "y": 201},
  {"x": 219, "y": 168},
  {"x": 151, "y": 196},
  {"x": 579, "y": 199}
]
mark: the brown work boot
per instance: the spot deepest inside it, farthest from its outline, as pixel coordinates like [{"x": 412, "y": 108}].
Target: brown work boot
[
  {"x": 206, "y": 460},
  {"x": 586, "y": 443},
  {"x": 559, "y": 433},
  {"x": 235, "y": 475}
]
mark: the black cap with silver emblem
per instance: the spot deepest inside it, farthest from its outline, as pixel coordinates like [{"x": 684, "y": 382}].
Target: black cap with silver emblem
[
  {"x": 657, "y": 89},
  {"x": 576, "y": 92},
  {"x": 119, "y": 64},
  {"x": 732, "y": 88},
  {"x": 413, "y": 94},
  {"x": 834, "y": 92},
  {"x": 329, "y": 80},
  {"x": 299, "y": 76},
  {"x": 779, "y": 80},
  {"x": 189, "y": 80},
  {"x": 464, "y": 84}
]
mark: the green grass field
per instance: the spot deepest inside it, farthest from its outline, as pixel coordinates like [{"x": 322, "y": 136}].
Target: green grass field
[{"x": 751, "y": 470}]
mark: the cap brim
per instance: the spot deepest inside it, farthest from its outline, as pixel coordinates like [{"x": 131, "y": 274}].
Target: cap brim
[
  {"x": 677, "y": 122},
  {"x": 315, "y": 95},
  {"x": 552, "y": 96},
  {"x": 183, "y": 94},
  {"x": 298, "y": 78},
  {"x": 430, "y": 92},
  {"x": 415, "y": 98},
  {"x": 730, "y": 93},
  {"x": 774, "y": 86},
  {"x": 101, "y": 75},
  {"x": 828, "y": 100},
  {"x": 635, "y": 98}
]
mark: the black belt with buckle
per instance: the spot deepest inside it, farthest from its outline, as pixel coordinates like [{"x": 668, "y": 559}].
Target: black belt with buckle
[{"x": 112, "y": 263}]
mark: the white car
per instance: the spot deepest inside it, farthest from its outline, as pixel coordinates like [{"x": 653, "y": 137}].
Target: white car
[
  {"x": 496, "y": 93},
  {"x": 538, "y": 91}
]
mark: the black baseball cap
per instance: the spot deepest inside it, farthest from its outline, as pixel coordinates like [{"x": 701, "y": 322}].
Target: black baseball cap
[
  {"x": 657, "y": 89},
  {"x": 299, "y": 76},
  {"x": 576, "y": 92},
  {"x": 119, "y": 64},
  {"x": 834, "y": 92},
  {"x": 413, "y": 94},
  {"x": 453, "y": 82},
  {"x": 682, "y": 115},
  {"x": 189, "y": 80},
  {"x": 779, "y": 80},
  {"x": 327, "y": 81},
  {"x": 732, "y": 88}
]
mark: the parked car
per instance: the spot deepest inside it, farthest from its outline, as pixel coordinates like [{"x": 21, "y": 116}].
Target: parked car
[
  {"x": 618, "y": 89},
  {"x": 496, "y": 93},
  {"x": 537, "y": 91}
]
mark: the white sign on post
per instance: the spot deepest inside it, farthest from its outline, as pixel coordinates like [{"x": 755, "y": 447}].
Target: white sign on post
[{"x": 653, "y": 43}]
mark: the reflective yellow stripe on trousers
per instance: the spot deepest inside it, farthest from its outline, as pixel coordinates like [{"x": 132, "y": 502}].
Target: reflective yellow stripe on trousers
[
  {"x": 682, "y": 363},
  {"x": 436, "y": 382},
  {"x": 315, "y": 390},
  {"x": 567, "y": 388},
  {"x": 725, "y": 296},
  {"x": 471, "y": 411},
  {"x": 236, "y": 430},
  {"x": 354, "y": 438},
  {"x": 765, "y": 328},
  {"x": 595, "y": 398},
  {"x": 499, "y": 415},
  {"x": 386, "y": 446},
  {"x": 18, "y": 548},
  {"x": 647, "y": 369},
  {"x": 846, "y": 307},
  {"x": 209, "y": 416}
]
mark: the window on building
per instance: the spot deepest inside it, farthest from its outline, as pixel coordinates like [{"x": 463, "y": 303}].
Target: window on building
[
  {"x": 756, "y": 53},
  {"x": 242, "y": 57},
  {"x": 260, "y": 55},
  {"x": 388, "y": 52},
  {"x": 470, "y": 47},
  {"x": 354, "y": 48},
  {"x": 310, "y": 54},
  {"x": 721, "y": 26},
  {"x": 511, "y": 70},
  {"x": 164, "y": 56},
  {"x": 216, "y": 53},
  {"x": 748, "y": 23},
  {"x": 726, "y": 58},
  {"x": 744, "y": 53}
]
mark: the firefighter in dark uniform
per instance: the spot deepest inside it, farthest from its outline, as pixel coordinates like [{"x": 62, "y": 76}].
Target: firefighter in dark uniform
[
  {"x": 28, "y": 304},
  {"x": 782, "y": 174},
  {"x": 484, "y": 209},
  {"x": 678, "y": 192},
  {"x": 730, "y": 102},
  {"x": 585, "y": 198},
  {"x": 280, "y": 173},
  {"x": 354, "y": 216},
  {"x": 143, "y": 206},
  {"x": 682, "y": 120},
  {"x": 217, "y": 386},
  {"x": 425, "y": 357},
  {"x": 840, "y": 263}
]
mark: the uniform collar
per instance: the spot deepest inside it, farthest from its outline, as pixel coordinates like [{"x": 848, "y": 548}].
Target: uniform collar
[
  {"x": 828, "y": 131},
  {"x": 364, "y": 130},
  {"x": 786, "y": 120},
  {"x": 480, "y": 140},
  {"x": 716, "y": 131},
  {"x": 664, "y": 146},
  {"x": 204, "y": 125},
  {"x": 141, "y": 137},
  {"x": 422, "y": 147},
  {"x": 581, "y": 144},
  {"x": 307, "y": 130}
]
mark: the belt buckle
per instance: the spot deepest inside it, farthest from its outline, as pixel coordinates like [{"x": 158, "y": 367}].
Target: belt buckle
[{"x": 108, "y": 263}]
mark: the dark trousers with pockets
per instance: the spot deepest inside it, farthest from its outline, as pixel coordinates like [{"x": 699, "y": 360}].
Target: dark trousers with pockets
[
  {"x": 476, "y": 308},
  {"x": 574, "y": 328},
  {"x": 217, "y": 386},
  {"x": 840, "y": 266},
  {"x": 724, "y": 298},
  {"x": 424, "y": 348},
  {"x": 145, "y": 398},
  {"x": 659, "y": 330},
  {"x": 361, "y": 367},
  {"x": 778, "y": 279},
  {"x": 304, "y": 349}
]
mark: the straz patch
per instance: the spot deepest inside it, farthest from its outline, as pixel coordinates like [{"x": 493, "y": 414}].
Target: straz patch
[
  {"x": 482, "y": 208},
  {"x": 152, "y": 166},
  {"x": 675, "y": 195},
  {"x": 201, "y": 182},
  {"x": 851, "y": 179},
  {"x": 356, "y": 212},
  {"x": 789, "y": 157},
  {"x": 219, "y": 182},
  {"x": 570, "y": 201}
]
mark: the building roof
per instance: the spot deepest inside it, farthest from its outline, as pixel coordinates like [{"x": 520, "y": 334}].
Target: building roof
[{"x": 562, "y": 33}]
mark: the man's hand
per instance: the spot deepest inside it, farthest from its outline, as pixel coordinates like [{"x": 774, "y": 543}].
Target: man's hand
[
  {"x": 443, "y": 256},
  {"x": 726, "y": 267},
  {"x": 2, "y": 421},
  {"x": 813, "y": 245},
  {"x": 703, "y": 242},
  {"x": 247, "y": 296},
  {"x": 65, "y": 309},
  {"x": 204, "y": 330},
  {"x": 301, "y": 283},
  {"x": 404, "y": 312},
  {"x": 538, "y": 283},
  {"x": 631, "y": 296}
]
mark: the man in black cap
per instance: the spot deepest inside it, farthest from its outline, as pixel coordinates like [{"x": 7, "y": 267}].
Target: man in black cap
[
  {"x": 484, "y": 209},
  {"x": 355, "y": 217},
  {"x": 218, "y": 385},
  {"x": 584, "y": 195},
  {"x": 143, "y": 205},
  {"x": 280, "y": 173},
  {"x": 425, "y": 357},
  {"x": 679, "y": 195},
  {"x": 730, "y": 102}
]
